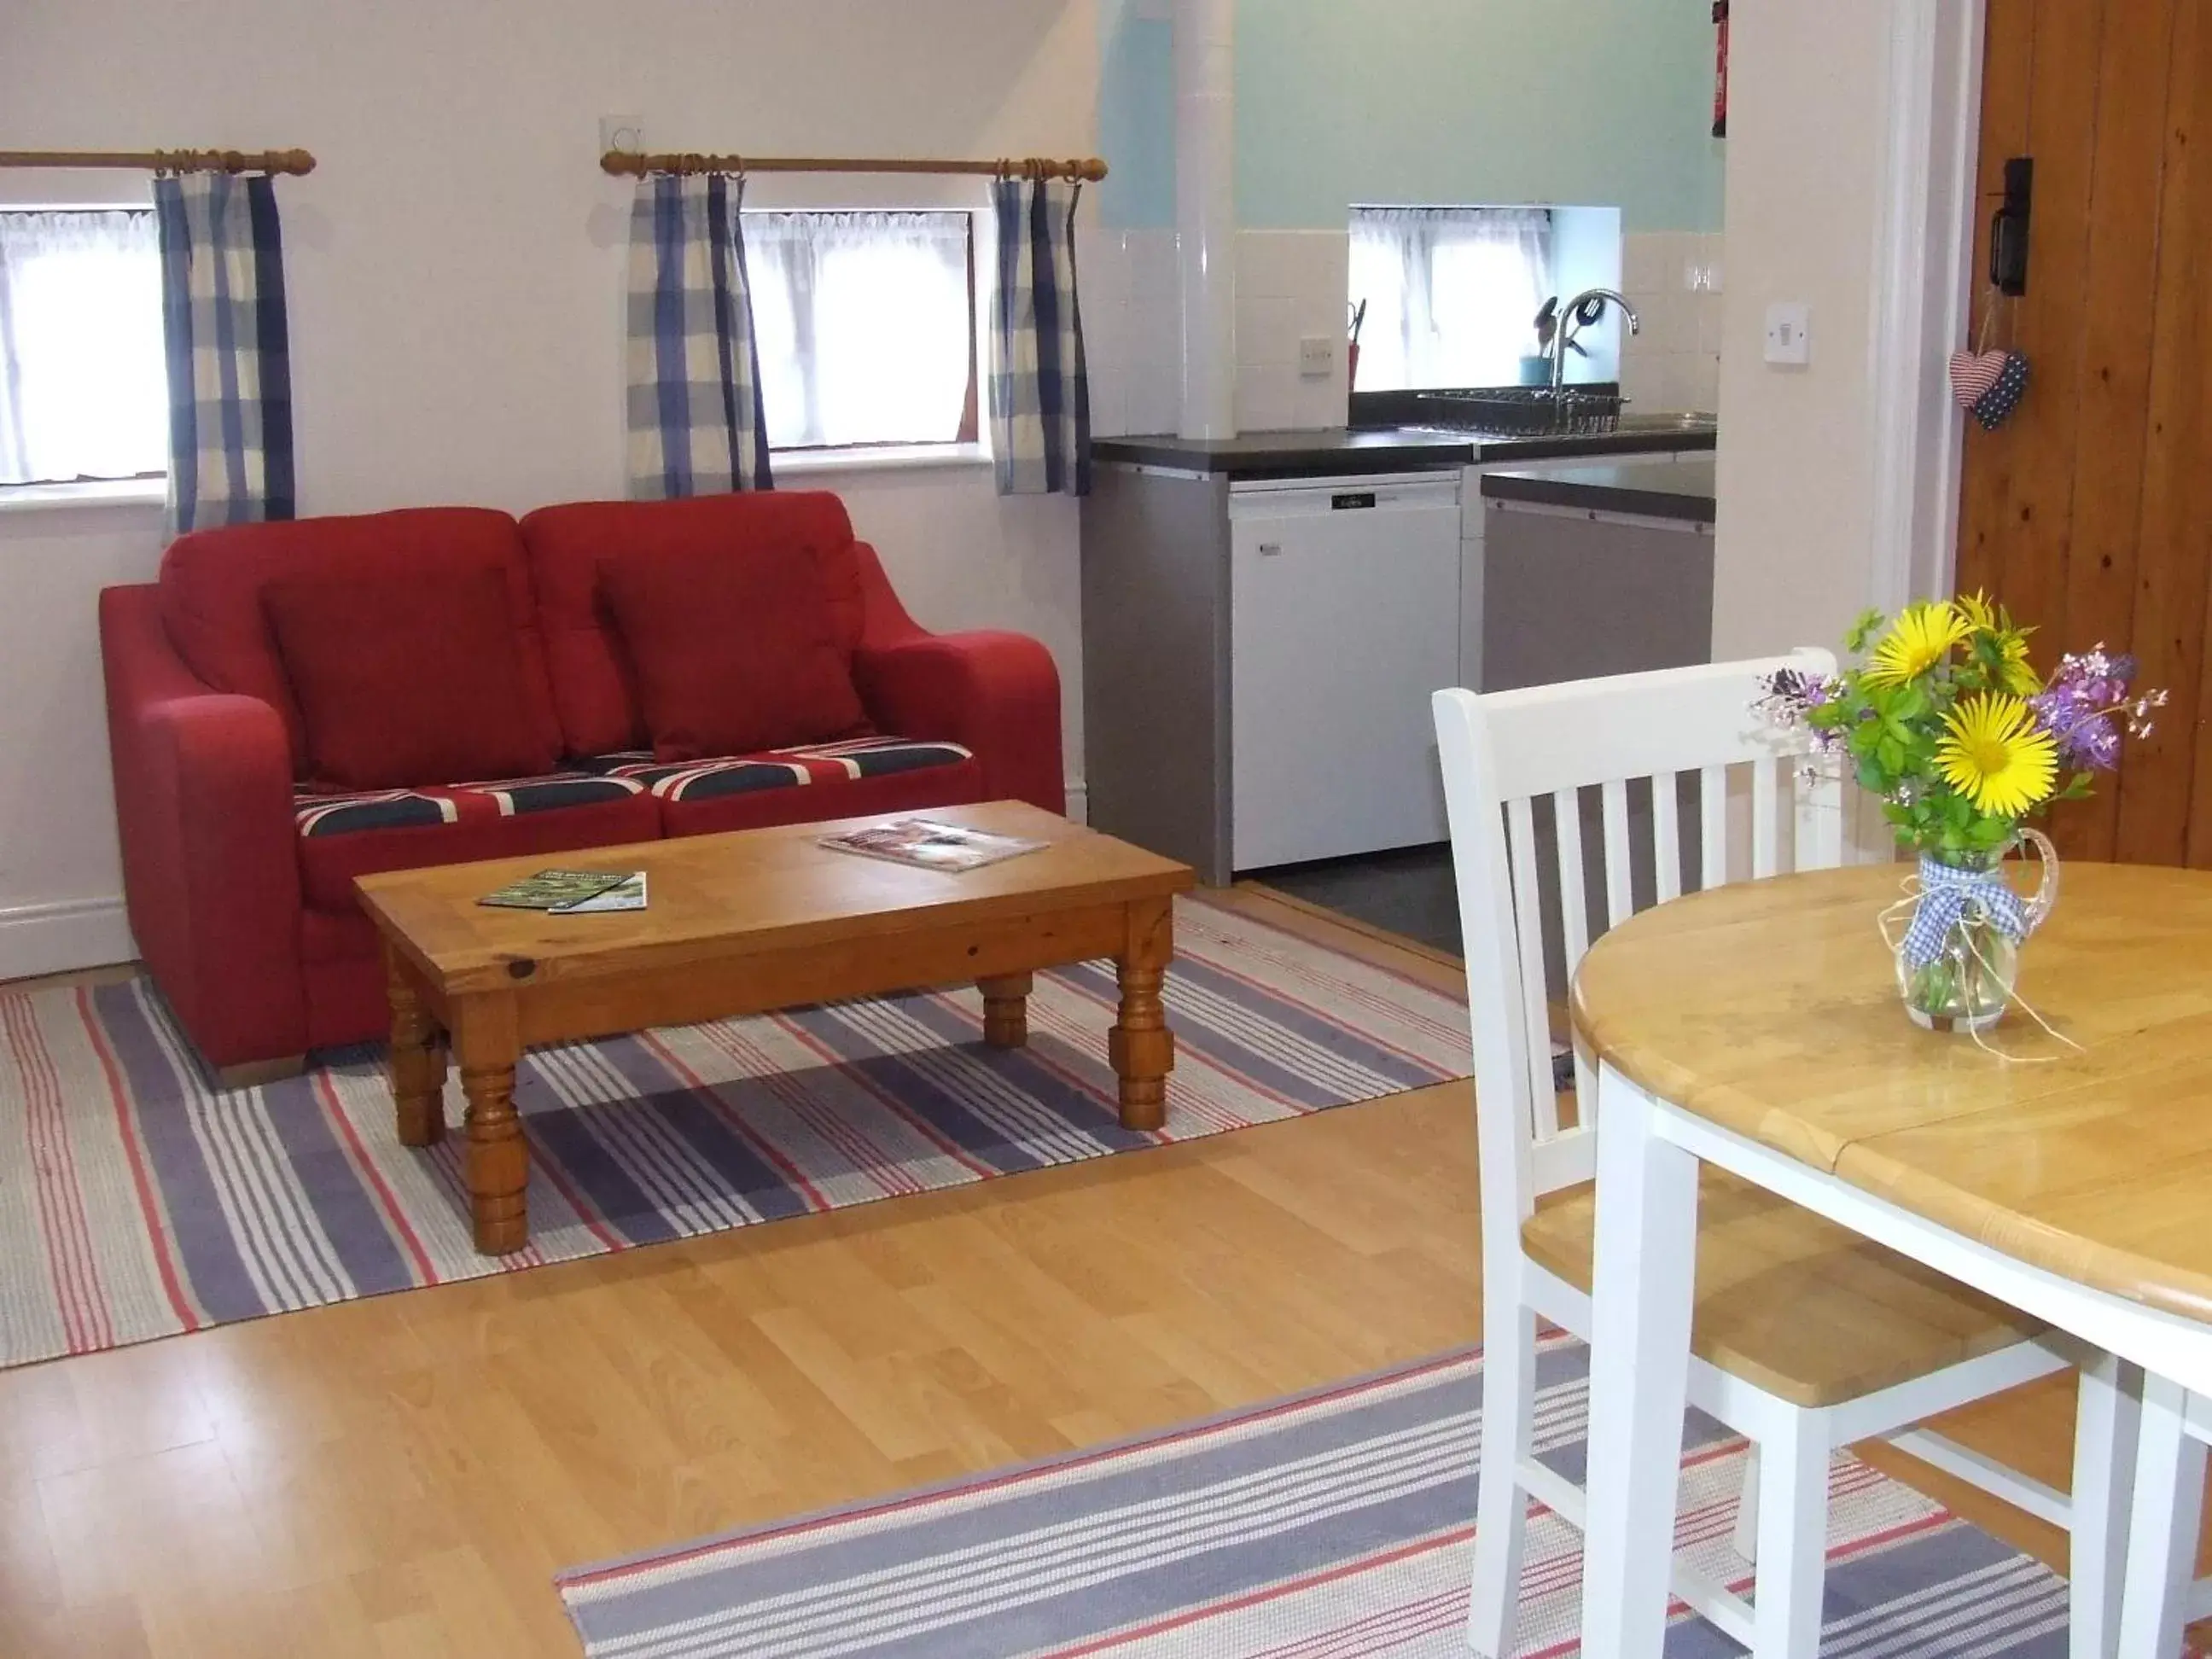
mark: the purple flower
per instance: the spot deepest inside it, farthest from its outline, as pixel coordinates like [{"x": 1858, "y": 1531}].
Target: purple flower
[
  {"x": 2086, "y": 705},
  {"x": 1788, "y": 695}
]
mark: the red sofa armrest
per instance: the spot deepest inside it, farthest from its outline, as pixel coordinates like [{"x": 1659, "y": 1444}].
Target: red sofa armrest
[
  {"x": 996, "y": 694},
  {"x": 210, "y": 866}
]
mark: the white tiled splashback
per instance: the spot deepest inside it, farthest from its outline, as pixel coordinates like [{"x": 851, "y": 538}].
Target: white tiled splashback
[
  {"x": 1290, "y": 284},
  {"x": 1674, "y": 280}
]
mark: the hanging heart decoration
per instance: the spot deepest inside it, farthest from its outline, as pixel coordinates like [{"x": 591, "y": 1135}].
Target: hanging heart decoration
[
  {"x": 1989, "y": 384},
  {"x": 1974, "y": 374},
  {"x": 1995, "y": 406}
]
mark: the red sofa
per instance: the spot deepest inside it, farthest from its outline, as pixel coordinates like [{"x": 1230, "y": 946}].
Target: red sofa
[{"x": 239, "y": 874}]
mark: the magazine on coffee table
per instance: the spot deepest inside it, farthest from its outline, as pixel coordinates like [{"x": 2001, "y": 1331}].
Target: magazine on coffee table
[
  {"x": 564, "y": 892},
  {"x": 931, "y": 844}
]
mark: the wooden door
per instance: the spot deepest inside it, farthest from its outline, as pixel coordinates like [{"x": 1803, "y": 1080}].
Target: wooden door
[{"x": 2090, "y": 512}]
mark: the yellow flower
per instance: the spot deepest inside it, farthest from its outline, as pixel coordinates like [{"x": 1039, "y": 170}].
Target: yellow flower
[
  {"x": 1923, "y": 636},
  {"x": 1994, "y": 754},
  {"x": 1980, "y": 614},
  {"x": 2014, "y": 673}
]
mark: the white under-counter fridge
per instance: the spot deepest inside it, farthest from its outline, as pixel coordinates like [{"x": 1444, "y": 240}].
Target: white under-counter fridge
[{"x": 1345, "y": 618}]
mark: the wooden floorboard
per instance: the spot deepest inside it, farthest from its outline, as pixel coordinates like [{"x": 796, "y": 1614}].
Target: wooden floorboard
[{"x": 403, "y": 1475}]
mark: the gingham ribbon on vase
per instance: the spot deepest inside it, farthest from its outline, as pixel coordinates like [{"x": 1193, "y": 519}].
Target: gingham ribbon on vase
[
  {"x": 1949, "y": 895},
  {"x": 1040, "y": 388},
  {"x": 228, "y": 350},
  {"x": 697, "y": 426}
]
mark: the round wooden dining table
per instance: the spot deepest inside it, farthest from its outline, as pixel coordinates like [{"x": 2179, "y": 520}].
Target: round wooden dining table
[{"x": 2068, "y": 1172}]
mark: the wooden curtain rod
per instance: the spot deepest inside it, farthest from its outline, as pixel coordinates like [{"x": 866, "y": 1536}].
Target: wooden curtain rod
[
  {"x": 165, "y": 160},
  {"x": 1089, "y": 171}
]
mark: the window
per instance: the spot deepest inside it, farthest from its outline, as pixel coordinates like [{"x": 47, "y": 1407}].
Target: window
[
  {"x": 1452, "y": 293},
  {"x": 83, "y": 391},
  {"x": 865, "y": 326}
]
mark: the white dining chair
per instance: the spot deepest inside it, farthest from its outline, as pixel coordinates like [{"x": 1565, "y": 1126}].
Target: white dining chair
[
  {"x": 1806, "y": 1337},
  {"x": 2161, "y": 1596}
]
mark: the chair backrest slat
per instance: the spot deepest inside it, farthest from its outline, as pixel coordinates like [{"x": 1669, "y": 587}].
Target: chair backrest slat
[
  {"x": 1502, "y": 752},
  {"x": 1574, "y": 875},
  {"x": 1712, "y": 827},
  {"x": 1765, "y": 826},
  {"x": 1619, "y": 865},
  {"x": 1527, "y": 915},
  {"x": 1666, "y": 837}
]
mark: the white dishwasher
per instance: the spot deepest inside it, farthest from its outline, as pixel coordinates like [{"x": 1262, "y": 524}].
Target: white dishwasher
[{"x": 1344, "y": 618}]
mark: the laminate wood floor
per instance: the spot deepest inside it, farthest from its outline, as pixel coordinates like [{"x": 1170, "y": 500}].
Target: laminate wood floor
[{"x": 402, "y": 1476}]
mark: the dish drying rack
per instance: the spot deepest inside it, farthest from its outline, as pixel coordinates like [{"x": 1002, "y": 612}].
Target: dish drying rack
[{"x": 1530, "y": 412}]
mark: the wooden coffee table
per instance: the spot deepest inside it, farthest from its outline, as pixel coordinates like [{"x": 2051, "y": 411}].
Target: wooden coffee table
[{"x": 742, "y": 923}]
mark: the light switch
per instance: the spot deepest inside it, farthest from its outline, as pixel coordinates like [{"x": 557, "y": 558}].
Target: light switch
[
  {"x": 1790, "y": 334},
  {"x": 1316, "y": 358}
]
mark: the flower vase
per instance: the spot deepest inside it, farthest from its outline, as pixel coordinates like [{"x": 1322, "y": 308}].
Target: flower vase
[{"x": 1958, "y": 962}]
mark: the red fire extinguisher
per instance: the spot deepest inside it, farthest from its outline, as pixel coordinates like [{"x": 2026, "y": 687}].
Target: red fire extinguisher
[{"x": 1720, "y": 73}]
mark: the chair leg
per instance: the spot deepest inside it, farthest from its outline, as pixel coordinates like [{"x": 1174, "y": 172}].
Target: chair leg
[
  {"x": 1501, "y": 1521},
  {"x": 2105, "y": 1428},
  {"x": 2169, "y": 1499},
  {"x": 1793, "y": 1541},
  {"x": 1744, "y": 1541}
]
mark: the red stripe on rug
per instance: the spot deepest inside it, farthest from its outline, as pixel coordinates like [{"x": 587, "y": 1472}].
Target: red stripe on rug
[
  {"x": 866, "y": 1157},
  {"x": 71, "y": 1265},
  {"x": 366, "y": 1167},
  {"x": 767, "y": 1149},
  {"x": 898, "y": 1109},
  {"x": 149, "y": 1203}
]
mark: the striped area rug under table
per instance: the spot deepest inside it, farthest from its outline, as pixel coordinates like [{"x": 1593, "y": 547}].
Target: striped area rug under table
[
  {"x": 1335, "y": 1525},
  {"x": 138, "y": 1200}
]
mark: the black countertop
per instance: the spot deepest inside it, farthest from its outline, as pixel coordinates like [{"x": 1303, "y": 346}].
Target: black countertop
[
  {"x": 1343, "y": 452},
  {"x": 1651, "y": 489}
]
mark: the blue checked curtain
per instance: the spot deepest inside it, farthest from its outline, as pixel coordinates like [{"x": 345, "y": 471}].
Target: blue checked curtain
[
  {"x": 1040, "y": 393},
  {"x": 229, "y": 359},
  {"x": 695, "y": 423}
]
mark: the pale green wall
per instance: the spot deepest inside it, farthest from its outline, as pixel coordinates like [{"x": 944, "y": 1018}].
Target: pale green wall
[{"x": 1432, "y": 100}]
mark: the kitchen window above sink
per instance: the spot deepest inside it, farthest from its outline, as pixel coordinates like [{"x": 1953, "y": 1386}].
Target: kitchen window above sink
[{"x": 1451, "y": 293}]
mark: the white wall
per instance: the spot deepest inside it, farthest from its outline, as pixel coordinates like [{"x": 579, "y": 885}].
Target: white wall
[
  {"x": 1809, "y": 115},
  {"x": 454, "y": 270}
]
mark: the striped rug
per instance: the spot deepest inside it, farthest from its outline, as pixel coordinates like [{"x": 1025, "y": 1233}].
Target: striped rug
[
  {"x": 1336, "y": 1525},
  {"x": 137, "y": 1200}
]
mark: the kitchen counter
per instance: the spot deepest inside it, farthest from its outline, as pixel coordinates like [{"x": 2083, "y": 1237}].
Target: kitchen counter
[
  {"x": 1340, "y": 452},
  {"x": 1682, "y": 489}
]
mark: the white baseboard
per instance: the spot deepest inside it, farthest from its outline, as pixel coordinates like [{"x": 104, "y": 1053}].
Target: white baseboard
[
  {"x": 1078, "y": 804},
  {"x": 62, "y": 935}
]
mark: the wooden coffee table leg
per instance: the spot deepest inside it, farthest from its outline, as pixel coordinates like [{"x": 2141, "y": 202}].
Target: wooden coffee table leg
[
  {"x": 418, "y": 1058},
  {"x": 1141, "y": 1045},
  {"x": 499, "y": 1158},
  {"x": 1006, "y": 1009}
]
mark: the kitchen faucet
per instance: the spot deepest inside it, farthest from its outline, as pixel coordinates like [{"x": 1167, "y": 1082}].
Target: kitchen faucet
[{"x": 1572, "y": 321}]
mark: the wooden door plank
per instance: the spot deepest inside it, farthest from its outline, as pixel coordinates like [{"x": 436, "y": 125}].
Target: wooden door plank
[
  {"x": 2008, "y": 74},
  {"x": 2050, "y": 321},
  {"x": 2126, "y": 191},
  {"x": 2175, "y": 626}
]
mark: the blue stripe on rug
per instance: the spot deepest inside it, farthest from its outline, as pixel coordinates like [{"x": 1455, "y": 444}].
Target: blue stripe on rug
[{"x": 1334, "y": 1525}]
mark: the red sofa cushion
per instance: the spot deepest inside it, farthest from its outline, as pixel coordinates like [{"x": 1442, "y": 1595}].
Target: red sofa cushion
[
  {"x": 408, "y": 683},
  {"x": 593, "y": 686},
  {"x": 212, "y": 582},
  {"x": 732, "y": 654}
]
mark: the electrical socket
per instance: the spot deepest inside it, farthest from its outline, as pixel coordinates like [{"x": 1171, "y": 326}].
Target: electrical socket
[{"x": 1316, "y": 358}]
